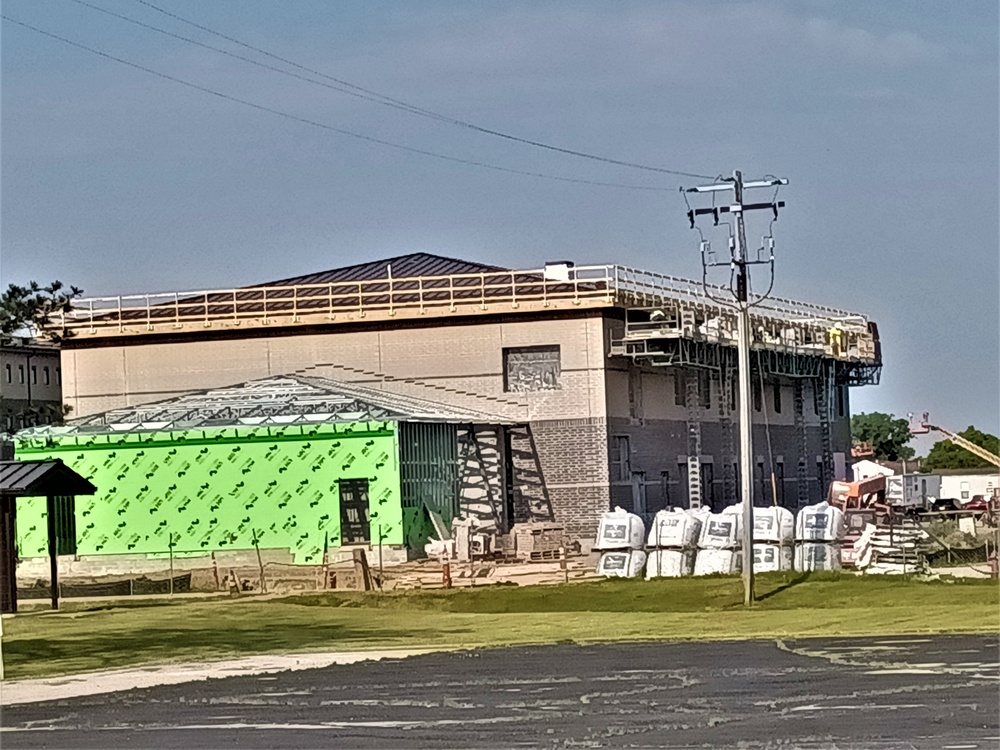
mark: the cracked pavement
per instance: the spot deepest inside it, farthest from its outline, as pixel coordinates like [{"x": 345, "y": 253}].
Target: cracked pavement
[{"x": 884, "y": 692}]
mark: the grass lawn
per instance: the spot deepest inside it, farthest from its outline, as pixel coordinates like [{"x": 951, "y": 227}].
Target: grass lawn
[{"x": 89, "y": 636}]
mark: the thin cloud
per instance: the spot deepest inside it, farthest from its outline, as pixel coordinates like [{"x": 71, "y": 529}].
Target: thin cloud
[{"x": 897, "y": 49}]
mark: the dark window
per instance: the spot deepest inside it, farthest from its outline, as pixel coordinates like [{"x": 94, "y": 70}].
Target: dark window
[
  {"x": 58, "y": 376},
  {"x": 732, "y": 396},
  {"x": 762, "y": 499},
  {"x": 634, "y": 393},
  {"x": 757, "y": 398},
  {"x": 621, "y": 459},
  {"x": 65, "y": 523},
  {"x": 680, "y": 385},
  {"x": 705, "y": 389},
  {"x": 665, "y": 487},
  {"x": 34, "y": 374},
  {"x": 708, "y": 485},
  {"x": 640, "y": 502},
  {"x": 531, "y": 368},
  {"x": 841, "y": 400},
  {"x": 815, "y": 392},
  {"x": 779, "y": 470},
  {"x": 10, "y": 375},
  {"x": 20, "y": 374},
  {"x": 682, "y": 479},
  {"x": 355, "y": 523},
  {"x": 46, "y": 376},
  {"x": 777, "y": 398}
]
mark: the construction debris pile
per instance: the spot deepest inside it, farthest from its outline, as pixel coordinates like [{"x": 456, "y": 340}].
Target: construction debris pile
[{"x": 892, "y": 548}]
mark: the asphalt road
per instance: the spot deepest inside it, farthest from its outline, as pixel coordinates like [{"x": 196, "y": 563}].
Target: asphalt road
[{"x": 931, "y": 692}]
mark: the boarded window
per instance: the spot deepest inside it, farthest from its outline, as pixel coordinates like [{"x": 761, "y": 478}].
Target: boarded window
[{"x": 531, "y": 368}]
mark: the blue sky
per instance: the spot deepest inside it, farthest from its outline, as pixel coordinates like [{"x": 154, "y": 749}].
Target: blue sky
[{"x": 883, "y": 116}]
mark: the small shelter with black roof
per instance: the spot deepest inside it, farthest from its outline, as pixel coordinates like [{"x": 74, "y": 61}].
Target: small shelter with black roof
[{"x": 59, "y": 485}]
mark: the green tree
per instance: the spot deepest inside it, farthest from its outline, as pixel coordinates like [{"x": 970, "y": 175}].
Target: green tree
[
  {"x": 947, "y": 455},
  {"x": 31, "y": 308},
  {"x": 887, "y": 435}
]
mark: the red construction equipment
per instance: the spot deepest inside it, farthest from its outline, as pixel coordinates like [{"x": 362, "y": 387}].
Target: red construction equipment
[{"x": 864, "y": 493}]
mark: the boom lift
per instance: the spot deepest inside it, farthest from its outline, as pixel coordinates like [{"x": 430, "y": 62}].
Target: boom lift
[{"x": 924, "y": 426}]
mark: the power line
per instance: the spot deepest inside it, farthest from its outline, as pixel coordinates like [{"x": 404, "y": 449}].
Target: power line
[
  {"x": 344, "y": 88},
  {"x": 407, "y": 107},
  {"x": 322, "y": 125}
]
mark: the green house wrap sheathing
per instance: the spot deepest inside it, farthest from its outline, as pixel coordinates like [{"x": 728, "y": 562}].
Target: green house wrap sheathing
[{"x": 213, "y": 489}]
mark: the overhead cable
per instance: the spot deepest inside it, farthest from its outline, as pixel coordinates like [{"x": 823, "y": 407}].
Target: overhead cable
[
  {"x": 322, "y": 125},
  {"x": 411, "y": 108}
]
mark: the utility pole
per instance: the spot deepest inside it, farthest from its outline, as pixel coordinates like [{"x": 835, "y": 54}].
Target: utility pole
[{"x": 739, "y": 263}]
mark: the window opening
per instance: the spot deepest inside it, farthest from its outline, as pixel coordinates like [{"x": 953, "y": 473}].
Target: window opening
[
  {"x": 531, "y": 368},
  {"x": 355, "y": 521},
  {"x": 621, "y": 459}
]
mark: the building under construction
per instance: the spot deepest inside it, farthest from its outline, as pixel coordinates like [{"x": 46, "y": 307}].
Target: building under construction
[{"x": 607, "y": 385}]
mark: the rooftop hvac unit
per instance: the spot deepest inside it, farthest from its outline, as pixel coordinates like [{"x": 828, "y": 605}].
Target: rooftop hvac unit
[{"x": 558, "y": 270}]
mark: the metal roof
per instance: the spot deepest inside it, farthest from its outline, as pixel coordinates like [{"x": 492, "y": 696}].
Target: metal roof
[
  {"x": 50, "y": 477},
  {"x": 402, "y": 266},
  {"x": 280, "y": 400}
]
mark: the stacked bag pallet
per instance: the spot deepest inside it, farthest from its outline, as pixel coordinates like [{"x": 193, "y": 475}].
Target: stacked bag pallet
[
  {"x": 685, "y": 542},
  {"x": 719, "y": 542},
  {"x": 620, "y": 537},
  {"x": 819, "y": 533},
  {"x": 673, "y": 540},
  {"x": 773, "y": 537}
]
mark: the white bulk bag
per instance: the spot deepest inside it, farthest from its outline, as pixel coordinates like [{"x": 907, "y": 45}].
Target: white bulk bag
[
  {"x": 774, "y": 524},
  {"x": 817, "y": 556},
  {"x": 669, "y": 563},
  {"x": 820, "y": 523},
  {"x": 620, "y": 529},
  {"x": 710, "y": 561},
  {"x": 624, "y": 564},
  {"x": 769, "y": 558},
  {"x": 674, "y": 528},
  {"x": 720, "y": 531}
]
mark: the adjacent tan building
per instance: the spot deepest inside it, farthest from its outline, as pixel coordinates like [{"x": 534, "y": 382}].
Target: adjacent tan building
[{"x": 30, "y": 384}]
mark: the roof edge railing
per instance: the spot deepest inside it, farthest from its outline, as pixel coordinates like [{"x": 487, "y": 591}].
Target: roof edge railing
[{"x": 602, "y": 284}]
